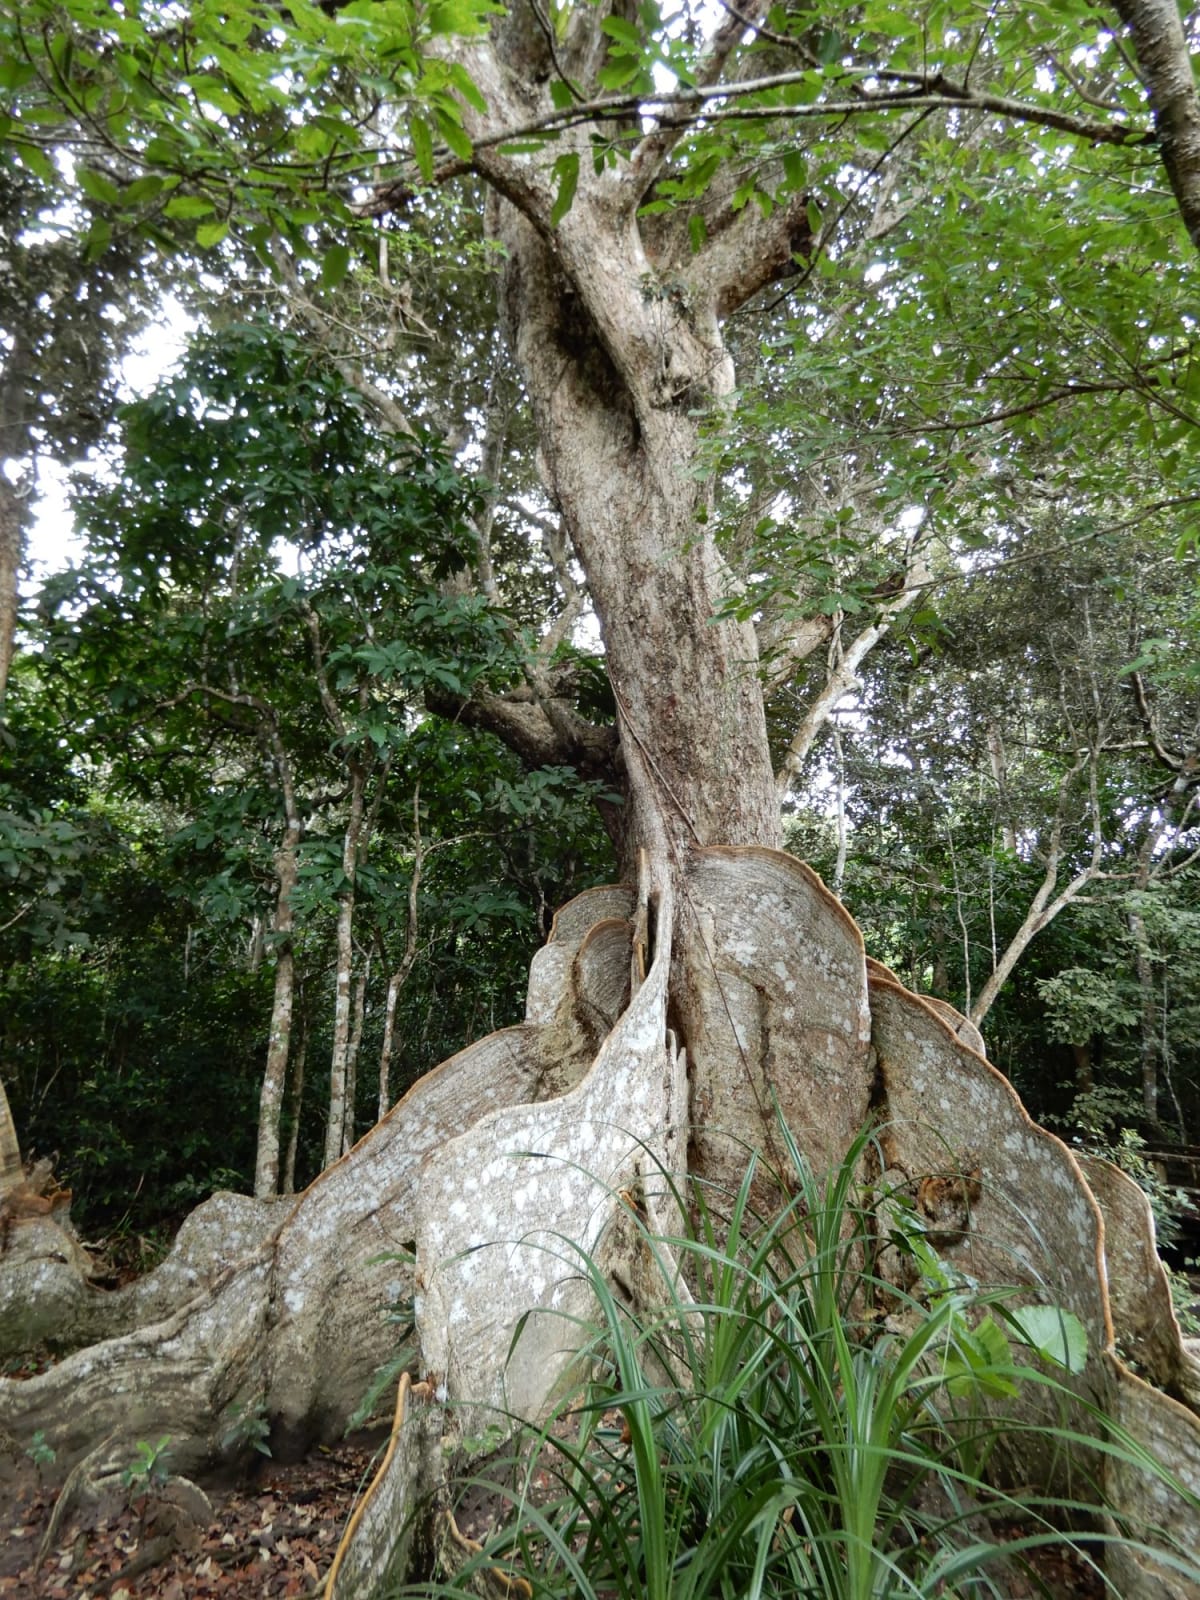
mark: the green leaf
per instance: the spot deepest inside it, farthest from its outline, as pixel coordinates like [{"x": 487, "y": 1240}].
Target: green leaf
[
  {"x": 455, "y": 135},
  {"x": 99, "y": 238},
  {"x": 211, "y": 233},
  {"x": 140, "y": 189},
  {"x": 334, "y": 265},
  {"x": 623, "y": 32},
  {"x": 189, "y": 205},
  {"x": 422, "y": 143},
  {"x": 15, "y": 74},
  {"x": 566, "y": 170},
  {"x": 97, "y": 187},
  {"x": 1058, "y": 1336}
]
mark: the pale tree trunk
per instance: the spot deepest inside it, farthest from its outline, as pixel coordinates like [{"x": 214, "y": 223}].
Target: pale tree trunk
[
  {"x": 399, "y": 977},
  {"x": 354, "y": 844},
  {"x": 11, "y": 1170},
  {"x": 12, "y": 548},
  {"x": 357, "y": 1019},
  {"x": 16, "y": 454},
  {"x": 845, "y": 660},
  {"x": 386, "y": 1049},
  {"x": 1046, "y": 905},
  {"x": 299, "y": 1056},
  {"x": 287, "y": 862},
  {"x": 665, "y": 1022},
  {"x": 1165, "y": 62},
  {"x": 344, "y": 968},
  {"x": 1147, "y": 987}
]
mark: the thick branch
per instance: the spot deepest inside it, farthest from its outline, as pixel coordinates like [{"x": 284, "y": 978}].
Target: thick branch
[
  {"x": 1156, "y": 28},
  {"x": 1183, "y": 764},
  {"x": 550, "y": 734},
  {"x": 783, "y": 646},
  {"x": 750, "y": 252}
]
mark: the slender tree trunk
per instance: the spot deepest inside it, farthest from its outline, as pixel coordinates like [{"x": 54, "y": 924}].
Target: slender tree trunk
[
  {"x": 17, "y": 378},
  {"x": 1046, "y": 905},
  {"x": 1144, "y": 967},
  {"x": 1085, "y": 1078},
  {"x": 270, "y": 1102},
  {"x": 344, "y": 967},
  {"x": 299, "y": 1056},
  {"x": 1148, "y": 1027},
  {"x": 12, "y": 549},
  {"x": 358, "y": 1017},
  {"x": 400, "y": 976}
]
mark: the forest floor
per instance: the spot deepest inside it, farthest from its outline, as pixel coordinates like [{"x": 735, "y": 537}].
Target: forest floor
[{"x": 272, "y": 1536}]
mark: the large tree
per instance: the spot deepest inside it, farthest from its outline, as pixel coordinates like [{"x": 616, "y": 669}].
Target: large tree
[{"x": 668, "y": 1017}]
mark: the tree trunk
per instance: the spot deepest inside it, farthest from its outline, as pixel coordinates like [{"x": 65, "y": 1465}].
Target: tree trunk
[
  {"x": 344, "y": 968},
  {"x": 618, "y": 450},
  {"x": 12, "y": 549},
  {"x": 357, "y": 1019},
  {"x": 300, "y": 1054},
  {"x": 666, "y": 1024},
  {"x": 11, "y": 1169},
  {"x": 1148, "y": 1031},
  {"x": 270, "y": 1102}
]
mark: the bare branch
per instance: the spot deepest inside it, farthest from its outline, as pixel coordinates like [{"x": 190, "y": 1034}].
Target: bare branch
[
  {"x": 1173, "y": 763},
  {"x": 391, "y": 414},
  {"x": 647, "y": 160},
  {"x": 844, "y": 676},
  {"x": 329, "y": 705},
  {"x": 682, "y": 108}
]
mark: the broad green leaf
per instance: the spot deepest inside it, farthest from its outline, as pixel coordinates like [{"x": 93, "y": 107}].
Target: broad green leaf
[
  {"x": 454, "y": 134},
  {"x": 623, "y": 32},
  {"x": 335, "y": 263},
  {"x": 97, "y": 187},
  {"x": 1057, "y": 1335},
  {"x": 566, "y": 170},
  {"x": 189, "y": 205}
]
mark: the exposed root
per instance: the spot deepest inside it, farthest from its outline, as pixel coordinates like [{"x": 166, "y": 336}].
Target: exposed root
[{"x": 511, "y": 1167}]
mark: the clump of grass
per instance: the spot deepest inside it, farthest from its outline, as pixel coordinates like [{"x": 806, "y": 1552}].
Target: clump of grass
[{"x": 772, "y": 1431}]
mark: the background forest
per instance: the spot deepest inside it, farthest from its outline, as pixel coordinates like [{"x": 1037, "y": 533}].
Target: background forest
[{"x": 264, "y": 859}]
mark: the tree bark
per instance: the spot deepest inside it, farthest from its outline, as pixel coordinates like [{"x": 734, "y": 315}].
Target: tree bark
[
  {"x": 270, "y": 1102},
  {"x": 12, "y": 551},
  {"x": 11, "y": 1169},
  {"x": 1165, "y": 61},
  {"x": 664, "y": 1026},
  {"x": 299, "y": 1057},
  {"x": 344, "y": 967},
  {"x": 358, "y": 1014}
]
